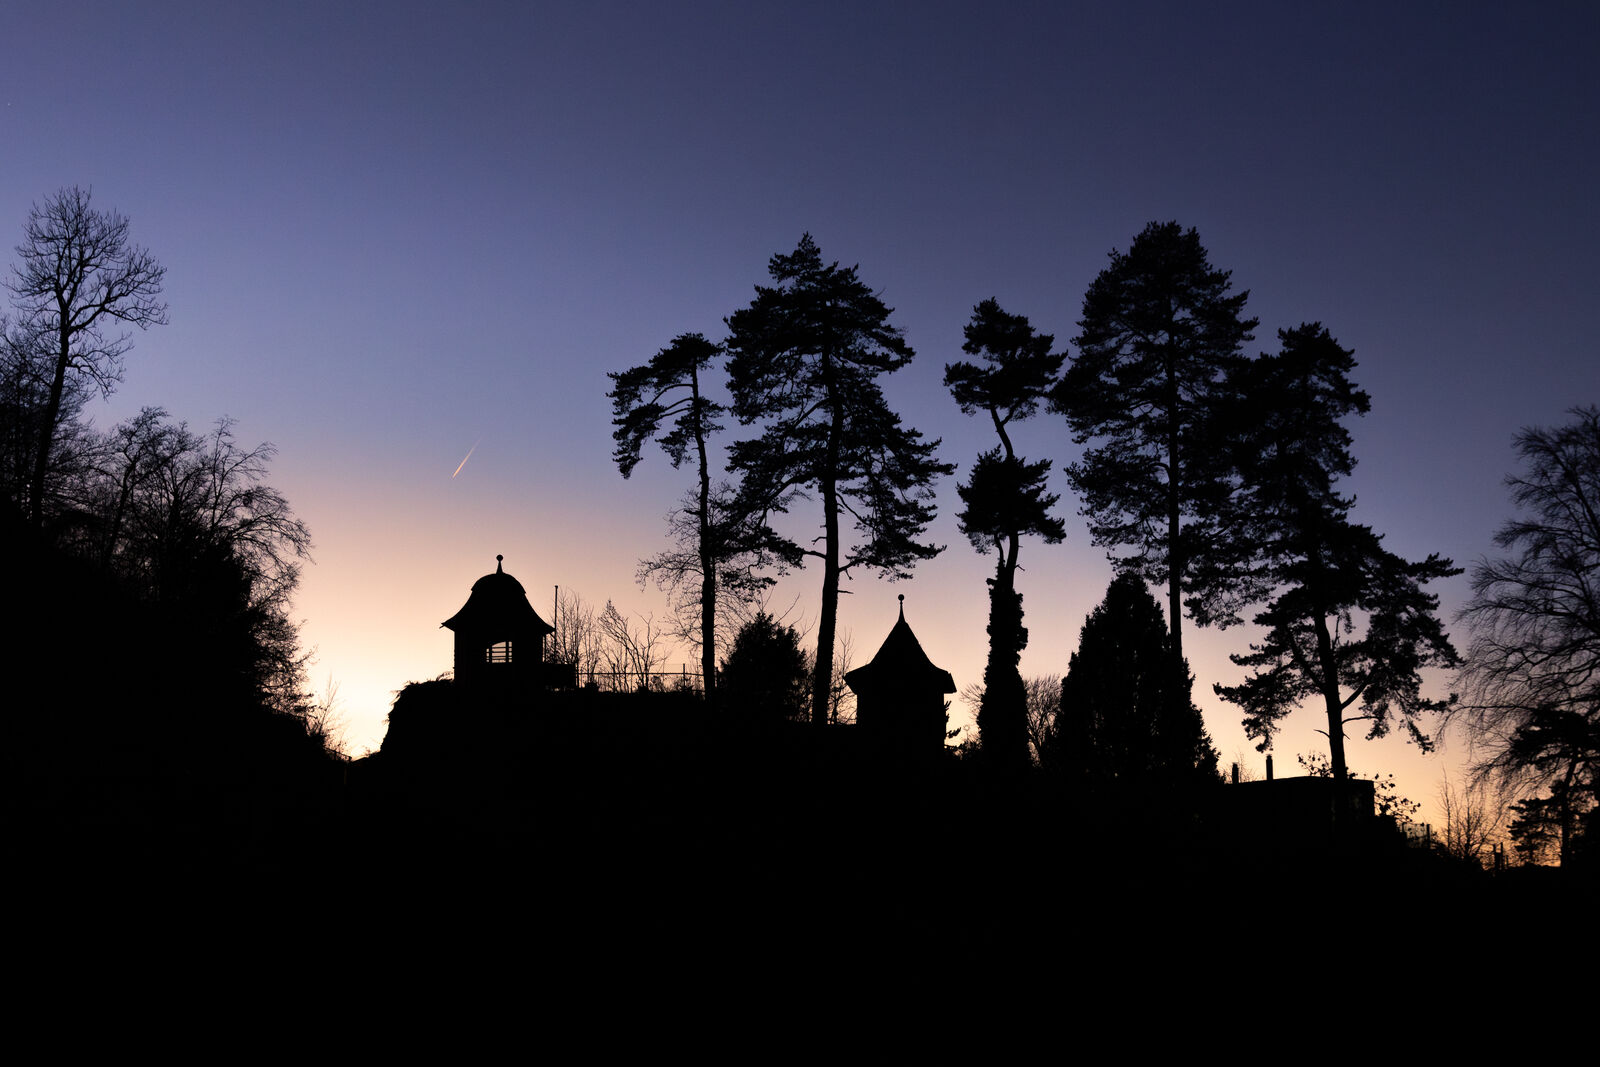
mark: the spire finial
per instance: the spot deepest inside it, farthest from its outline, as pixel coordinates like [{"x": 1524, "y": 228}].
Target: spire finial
[
  {"x": 501, "y": 570},
  {"x": 902, "y": 607}
]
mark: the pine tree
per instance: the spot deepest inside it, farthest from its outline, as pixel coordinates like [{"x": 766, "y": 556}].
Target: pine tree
[
  {"x": 1162, "y": 332},
  {"x": 669, "y": 389},
  {"x": 1348, "y": 621},
  {"x": 804, "y": 362},
  {"x": 1005, "y": 498}
]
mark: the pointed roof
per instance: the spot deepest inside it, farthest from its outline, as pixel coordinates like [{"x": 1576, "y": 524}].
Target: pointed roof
[
  {"x": 901, "y": 662},
  {"x": 498, "y": 602}
]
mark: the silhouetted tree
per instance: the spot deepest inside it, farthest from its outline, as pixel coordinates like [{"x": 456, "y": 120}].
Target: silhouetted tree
[
  {"x": 187, "y": 522},
  {"x": 1043, "y": 693},
  {"x": 629, "y": 649},
  {"x": 1005, "y": 499},
  {"x": 804, "y": 361},
  {"x": 1532, "y": 674},
  {"x": 738, "y": 589},
  {"x": 128, "y": 463},
  {"x": 1551, "y": 828},
  {"x": 576, "y": 636},
  {"x": 706, "y": 528},
  {"x": 1348, "y": 621},
  {"x": 1161, "y": 334},
  {"x": 1474, "y": 816},
  {"x": 77, "y": 274},
  {"x": 765, "y": 671},
  {"x": 24, "y": 393},
  {"x": 1124, "y": 725},
  {"x": 841, "y": 698}
]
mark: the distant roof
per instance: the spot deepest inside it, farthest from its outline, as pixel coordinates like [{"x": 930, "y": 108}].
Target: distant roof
[
  {"x": 901, "y": 662},
  {"x": 498, "y": 601}
]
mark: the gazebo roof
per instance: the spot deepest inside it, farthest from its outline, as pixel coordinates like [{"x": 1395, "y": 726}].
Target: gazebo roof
[
  {"x": 901, "y": 662},
  {"x": 498, "y": 602}
]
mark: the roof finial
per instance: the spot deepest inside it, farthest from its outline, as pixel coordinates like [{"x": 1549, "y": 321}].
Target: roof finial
[
  {"x": 902, "y": 607},
  {"x": 501, "y": 570}
]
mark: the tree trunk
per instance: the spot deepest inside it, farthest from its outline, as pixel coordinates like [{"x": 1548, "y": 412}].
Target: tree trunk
[
  {"x": 47, "y": 431},
  {"x": 1329, "y": 684},
  {"x": 822, "y": 682},
  {"x": 708, "y": 630},
  {"x": 1003, "y": 712},
  {"x": 1175, "y": 555},
  {"x": 708, "y": 557},
  {"x": 1330, "y": 698}
]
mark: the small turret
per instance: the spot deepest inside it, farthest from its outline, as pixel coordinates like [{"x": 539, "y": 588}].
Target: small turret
[
  {"x": 499, "y": 637},
  {"x": 900, "y": 694}
]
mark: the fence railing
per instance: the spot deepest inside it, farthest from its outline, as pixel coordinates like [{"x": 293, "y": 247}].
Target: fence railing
[{"x": 632, "y": 681}]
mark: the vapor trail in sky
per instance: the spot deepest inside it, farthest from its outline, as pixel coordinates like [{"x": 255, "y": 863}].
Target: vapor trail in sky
[{"x": 470, "y": 451}]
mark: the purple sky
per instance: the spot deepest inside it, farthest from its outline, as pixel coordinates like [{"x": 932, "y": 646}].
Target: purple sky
[{"x": 393, "y": 229}]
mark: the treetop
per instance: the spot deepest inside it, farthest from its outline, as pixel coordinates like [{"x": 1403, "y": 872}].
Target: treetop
[
  {"x": 1159, "y": 318},
  {"x": 640, "y": 401},
  {"x": 1020, "y": 369}
]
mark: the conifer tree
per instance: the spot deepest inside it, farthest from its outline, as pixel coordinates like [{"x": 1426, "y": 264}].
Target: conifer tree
[
  {"x": 804, "y": 362},
  {"x": 1348, "y": 623},
  {"x": 1125, "y": 723},
  {"x": 1162, "y": 332},
  {"x": 669, "y": 387},
  {"x": 1005, "y": 498}
]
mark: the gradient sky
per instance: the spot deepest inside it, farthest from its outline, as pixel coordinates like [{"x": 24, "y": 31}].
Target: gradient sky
[{"x": 395, "y": 229}]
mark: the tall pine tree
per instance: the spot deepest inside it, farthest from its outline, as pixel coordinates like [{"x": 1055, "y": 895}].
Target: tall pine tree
[
  {"x": 1162, "y": 333},
  {"x": 670, "y": 390},
  {"x": 804, "y": 362},
  {"x": 1005, "y": 499},
  {"x": 1349, "y": 623}
]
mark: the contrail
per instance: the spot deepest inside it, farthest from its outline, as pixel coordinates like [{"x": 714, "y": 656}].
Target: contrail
[{"x": 470, "y": 451}]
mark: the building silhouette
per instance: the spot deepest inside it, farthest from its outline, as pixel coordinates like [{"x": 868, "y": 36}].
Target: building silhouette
[
  {"x": 900, "y": 695},
  {"x": 499, "y": 642}
]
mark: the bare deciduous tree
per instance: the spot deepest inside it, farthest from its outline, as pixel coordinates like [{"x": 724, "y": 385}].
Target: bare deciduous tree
[
  {"x": 1244, "y": 761},
  {"x": 1043, "y": 693},
  {"x": 78, "y": 273},
  {"x": 841, "y": 698},
  {"x": 737, "y": 593},
  {"x": 187, "y": 519},
  {"x": 1531, "y": 678},
  {"x": 576, "y": 639},
  {"x": 1044, "y": 701},
  {"x": 326, "y": 721},
  {"x": 1474, "y": 815},
  {"x": 630, "y": 650},
  {"x": 24, "y": 389}
]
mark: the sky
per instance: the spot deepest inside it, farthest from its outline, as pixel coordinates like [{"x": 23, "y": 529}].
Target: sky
[{"x": 395, "y": 231}]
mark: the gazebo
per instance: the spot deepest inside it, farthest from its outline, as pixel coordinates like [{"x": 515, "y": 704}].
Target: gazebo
[
  {"x": 499, "y": 637},
  {"x": 900, "y": 694}
]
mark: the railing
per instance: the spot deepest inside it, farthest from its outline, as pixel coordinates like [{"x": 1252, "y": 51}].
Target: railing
[{"x": 633, "y": 681}]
